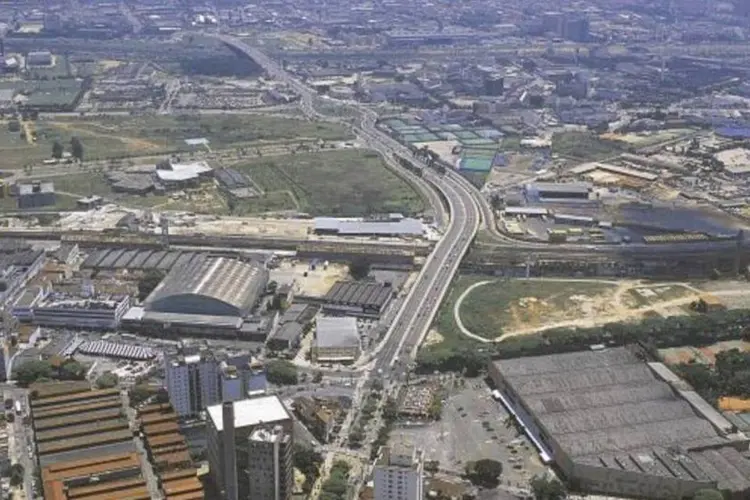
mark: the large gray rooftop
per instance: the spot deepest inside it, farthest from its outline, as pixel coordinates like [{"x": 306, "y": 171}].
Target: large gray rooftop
[
  {"x": 608, "y": 408},
  {"x": 336, "y": 332},
  {"x": 357, "y": 293},
  {"x": 213, "y": 286}
]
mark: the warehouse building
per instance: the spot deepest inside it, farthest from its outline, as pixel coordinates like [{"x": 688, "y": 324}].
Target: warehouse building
[
  {"x": 59, "y": 310},
  {"x": 105, "y": 477},
  {"x": 180, "y": 175},
  {"x": 395, "y": 225},
  {"x": 336, "y": 340},
  {"x": 358, "y": 298},
  {"x": 36, "y": 195},
  {"x": 617, "y": 425},
  {"x": 116, "y": 350},
  {"x": 71, "y": 421},
  {"x": 213, "y": 287},
  {"x": 552, "y": 191},
  {"x": 39, "y": 58},
  {"x": 206, "y": 296},
  {"x": 235, "y": 183}
]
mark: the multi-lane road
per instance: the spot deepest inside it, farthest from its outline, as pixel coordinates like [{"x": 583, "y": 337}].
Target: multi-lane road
[{"x": 424, "y": 298}]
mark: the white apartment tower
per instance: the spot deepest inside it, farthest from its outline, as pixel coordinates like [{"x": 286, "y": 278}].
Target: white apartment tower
[
  {"x": 192, "y": 382},
  {"x": 270, "y": 469},
  {"x": 399, "y": 473},
  {"x": 248, "y": 444}
]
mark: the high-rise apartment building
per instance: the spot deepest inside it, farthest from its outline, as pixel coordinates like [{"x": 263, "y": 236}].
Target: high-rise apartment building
[
  {"x": 399, "y": 473},
  {"x": 229, "y": 443},
  {"x": 270, "y": 470},
  {"x": 192, "y": 382}
]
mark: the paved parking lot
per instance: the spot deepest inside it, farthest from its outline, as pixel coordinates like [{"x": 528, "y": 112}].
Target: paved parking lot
[{"x": 473, "y": 427}]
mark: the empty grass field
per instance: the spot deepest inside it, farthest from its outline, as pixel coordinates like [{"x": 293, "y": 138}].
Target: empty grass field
[
  {"x": 504, "y": 306},
  {"x": 336, "y": 183},
  {"x": 105, "y": 137}
]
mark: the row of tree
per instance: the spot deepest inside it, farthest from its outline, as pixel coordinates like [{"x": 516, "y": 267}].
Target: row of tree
[
  {"x": 730, "y": 375},
  {"x": 45, "y": 371},
  {"x": 657, "y": 333},
  {"x": 76, "y": 149}
]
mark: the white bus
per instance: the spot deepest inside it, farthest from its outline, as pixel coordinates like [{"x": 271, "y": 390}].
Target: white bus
[{"x": 19, "y": 410}]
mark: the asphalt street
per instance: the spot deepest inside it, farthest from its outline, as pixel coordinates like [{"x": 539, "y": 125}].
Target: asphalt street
[{"x": 424, "y": 298}]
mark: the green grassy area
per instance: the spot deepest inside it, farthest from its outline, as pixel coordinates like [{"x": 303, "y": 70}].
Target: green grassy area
[
  {"x": 64, "y": 202},
  {"x": 444, "y": 321},
  {"x": 336, "y": 183},
  {"x": 121, "y": 136},
  {"x": 491, "y": 308},
  {"x": 83, "y": 184},
  {"x": 585, "y": 146}
]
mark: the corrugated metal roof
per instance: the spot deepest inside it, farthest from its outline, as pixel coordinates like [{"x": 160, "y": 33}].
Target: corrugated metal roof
[
  {"x": 405, "y": 227},
  {"x": 232, "y": 283},
  {"x": 336, "y": 332}
]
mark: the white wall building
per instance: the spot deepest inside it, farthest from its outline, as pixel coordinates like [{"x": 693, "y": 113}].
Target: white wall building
[
  {"x": 227, "y": 443},
  {"x": 192, "y": 382},
  {"x": 399, "y": 473}
]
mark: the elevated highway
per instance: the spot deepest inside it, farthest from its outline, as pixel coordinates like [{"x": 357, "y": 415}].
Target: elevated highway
[
  {"x": 469, "y": 210},
  {"x": 421, "y": 305}
]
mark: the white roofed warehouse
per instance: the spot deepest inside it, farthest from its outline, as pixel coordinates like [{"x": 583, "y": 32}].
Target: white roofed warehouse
[
  {"x": 217, "y": 286},
  {"x": 336, "y": 340}
]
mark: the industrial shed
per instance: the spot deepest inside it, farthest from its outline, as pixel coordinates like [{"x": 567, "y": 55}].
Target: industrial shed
[
  {"x": 558, "y": 191},
  {"x": 336, "y": 340},
  {"x": 213, "y": 286},
  {"x": 617, "y": 425},
  {"x": 357, "y": 298},
  {"x": 394, "y": 226}
]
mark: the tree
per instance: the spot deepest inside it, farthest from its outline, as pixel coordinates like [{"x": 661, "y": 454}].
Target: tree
[
  {"x": 16, "y": 474},
  {"x": 138, "y": 394},
  {"x": 32, "y": 371},
  {"x": 546, "y": 488},
  {"x": 57, "y": 150},
  {"x": 485, "y": 472},
  {"x": 308, "y": 462},
  {"x": 148, "y": 282},
  {"x": 76, "y": 148},
  {"x": 107, "y": 380},
  {"x": 282, "y": 372},
  {"x": 359, "y": 268},
  {"x": 71, "y": 370},
  {"x": 318, "y": 377},
  {"x": 708, "y": 495}
]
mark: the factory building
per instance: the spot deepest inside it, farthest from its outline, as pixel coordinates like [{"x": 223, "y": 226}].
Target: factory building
[
  {"x": 229, "y": 428},
  {"x": 63, "y": 311},
  {"x": 192, "y": 382},
  {"x": 336, "y": 340},
  {"x": 39, "y": 58},
  {"x": 617, "y": 425},
  {"x": 552, "y": 191},
  {"x": 35, "y": 195},
  {"x": 357, "y": 298},
  {"x": 19, "y": 262},
  {"x": 399, "y": 473},
  {"x": 211, "y": 287},
  {"x": 181, "y": 175},
  {"x": 71, "y": 421},
  {"x": 395, "y": 225},
  {"x": 206, "y": 296}
]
